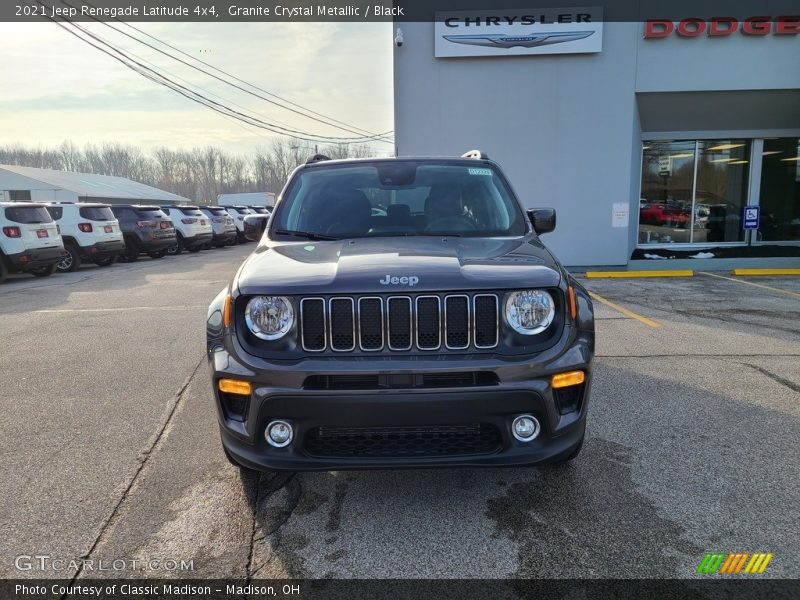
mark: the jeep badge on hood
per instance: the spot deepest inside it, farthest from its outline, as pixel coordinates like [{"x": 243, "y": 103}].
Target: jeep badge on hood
[{"x": 410, "y": 280}]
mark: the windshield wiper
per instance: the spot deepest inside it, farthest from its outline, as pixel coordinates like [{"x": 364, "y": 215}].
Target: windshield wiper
[{"x": 309, "y": 235}]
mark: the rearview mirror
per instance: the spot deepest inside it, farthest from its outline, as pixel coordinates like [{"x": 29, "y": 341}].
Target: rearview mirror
[
  {"x": 254, "y": 226},
  {"x": 542, "y": 219}
]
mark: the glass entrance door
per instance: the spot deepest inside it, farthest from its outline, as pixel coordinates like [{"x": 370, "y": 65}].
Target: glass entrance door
[
  {"x": 780, "y": 191},
  {"x": 693, "y": 191}
]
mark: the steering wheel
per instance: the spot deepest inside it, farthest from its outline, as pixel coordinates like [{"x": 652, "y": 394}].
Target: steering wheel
[{"x": 451, "y": 224}]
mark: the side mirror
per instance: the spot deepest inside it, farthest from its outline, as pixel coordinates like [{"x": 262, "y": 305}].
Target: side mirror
[
  {"x": 254, "y": 226},
  {"x": 543, "y": 219}
]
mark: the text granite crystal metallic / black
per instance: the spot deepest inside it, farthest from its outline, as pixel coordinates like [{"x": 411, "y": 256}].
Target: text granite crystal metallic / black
[{"x": 401, "y": 312}]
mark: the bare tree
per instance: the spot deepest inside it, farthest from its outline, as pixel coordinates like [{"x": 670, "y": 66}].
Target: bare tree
[{"x": 200, "y": 174}]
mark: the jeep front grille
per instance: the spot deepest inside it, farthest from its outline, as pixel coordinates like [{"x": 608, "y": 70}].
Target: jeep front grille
[
  {"x": 425, "y": 322},
  {"x": 403, "y": 442}
]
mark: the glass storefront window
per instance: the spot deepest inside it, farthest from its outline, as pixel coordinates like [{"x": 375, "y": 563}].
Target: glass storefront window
[
  {"x": 780, "y": 190},
  {"x": 721, "y": 191},
  {"x": 665, "y": 206},
  {"x": 693, "y": 191}
]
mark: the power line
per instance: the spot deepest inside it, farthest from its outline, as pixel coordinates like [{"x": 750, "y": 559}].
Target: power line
[
  {"x": 187, "y": 93},
  {"x": 330, "y": 122},
  {"x": 209, "y": 92},
  {"x": 241, "y": 80},
  {"x": 159, "y": 78}
]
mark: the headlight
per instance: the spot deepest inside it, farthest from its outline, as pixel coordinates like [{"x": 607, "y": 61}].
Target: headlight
[
  {"x": 530, "y": 312},
  {"x": 269, "y": 317}
]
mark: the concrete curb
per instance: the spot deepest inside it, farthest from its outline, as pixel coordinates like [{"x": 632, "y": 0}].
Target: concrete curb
[
  {"x": 765, "y": 272},
  {"x": 636, "y": 274}
]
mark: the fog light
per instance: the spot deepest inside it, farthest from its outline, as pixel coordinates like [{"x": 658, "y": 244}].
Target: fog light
[
  {"x": 278, "y": 434},
  {"x": 525, "y": 428}
]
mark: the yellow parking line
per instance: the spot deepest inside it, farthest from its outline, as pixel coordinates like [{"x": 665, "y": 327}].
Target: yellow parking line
[
  {"x": 758, "y": 285},
  {"x": 625, "y": 311},
  {"x": 634, "y": 274},
  {"x": 766, "y": 272}
]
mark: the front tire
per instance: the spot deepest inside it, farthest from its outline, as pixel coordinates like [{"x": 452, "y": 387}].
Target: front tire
[
  {"x": 45, "y": 271},
  {"x": 176, "y": 248},
  {"x": 71, "y": 260},
  {"x": 106, "y": 262}
]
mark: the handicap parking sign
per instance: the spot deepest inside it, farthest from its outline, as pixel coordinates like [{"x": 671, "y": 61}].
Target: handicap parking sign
[{"x": 750, "y": 217}]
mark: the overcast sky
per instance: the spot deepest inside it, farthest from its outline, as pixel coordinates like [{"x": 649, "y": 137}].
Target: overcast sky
[{"x": 55, "y": 87}]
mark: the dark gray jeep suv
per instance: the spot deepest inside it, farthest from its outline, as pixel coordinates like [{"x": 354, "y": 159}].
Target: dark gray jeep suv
[{"x": 401, "y": 313}]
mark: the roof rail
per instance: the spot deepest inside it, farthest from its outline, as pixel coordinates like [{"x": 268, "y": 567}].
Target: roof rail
[
  {"x": 317, "y": 158},
  {"x": 475, "y": 154}
]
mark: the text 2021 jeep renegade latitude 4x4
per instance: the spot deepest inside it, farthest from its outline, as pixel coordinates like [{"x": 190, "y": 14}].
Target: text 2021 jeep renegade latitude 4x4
[{"x": 401, "y": 313}]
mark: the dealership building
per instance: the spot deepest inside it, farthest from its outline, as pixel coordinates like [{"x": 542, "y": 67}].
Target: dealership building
[
  {"x": 29, "y": 184},
  {"x": 653, "y": 139}
]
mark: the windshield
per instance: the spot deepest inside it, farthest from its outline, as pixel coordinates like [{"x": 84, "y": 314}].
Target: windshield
[
  {"x": 150, "y": 213},
  {"x": 192, "y": 212},
  {"x": 28, "y": 214},
  {"x": 96, "y": 213},
  {"x": 399, "y": 198}
]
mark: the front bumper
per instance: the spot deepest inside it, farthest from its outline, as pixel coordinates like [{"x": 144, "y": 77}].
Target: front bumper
[
  {"x": 522, "y": 387},
  {"x": 35, "y": 258}
]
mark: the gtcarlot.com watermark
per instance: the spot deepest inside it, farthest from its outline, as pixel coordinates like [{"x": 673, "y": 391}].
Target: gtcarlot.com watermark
[{"x": 50, "y": 564}]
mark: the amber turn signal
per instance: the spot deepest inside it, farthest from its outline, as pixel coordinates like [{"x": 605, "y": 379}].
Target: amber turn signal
[
  {"x": 226, "y": 312},
  {"x": 567, "y": 379},
  {"x": 235, "y": 386},
  {"x": 573, "y": 308}
]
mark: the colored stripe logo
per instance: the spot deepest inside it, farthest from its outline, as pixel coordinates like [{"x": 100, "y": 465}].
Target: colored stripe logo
[{"x": 733, "y": 563}]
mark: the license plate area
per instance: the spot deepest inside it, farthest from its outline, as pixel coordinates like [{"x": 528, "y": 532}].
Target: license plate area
[
  {"x": 108, "y": 229},
  {"x": 42, "y": 233}
]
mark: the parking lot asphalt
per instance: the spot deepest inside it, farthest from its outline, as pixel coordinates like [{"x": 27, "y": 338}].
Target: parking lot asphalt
[{"x": 110, "y": 446}]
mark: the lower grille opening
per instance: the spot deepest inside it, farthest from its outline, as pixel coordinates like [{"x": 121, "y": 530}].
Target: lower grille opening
[
  {"x": 569, "y": 399},
  {"x": 234, "y": 406},
  {"x": 400, "y": 381},
  {"x": 460, "y": 379},
  {"x": 419, "y": 442}
]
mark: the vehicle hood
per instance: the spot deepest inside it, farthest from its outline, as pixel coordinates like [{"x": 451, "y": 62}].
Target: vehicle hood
[{"x": 360, "y": 265}]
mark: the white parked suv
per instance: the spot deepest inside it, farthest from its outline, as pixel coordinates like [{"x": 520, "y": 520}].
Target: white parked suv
[
  {"x": 90, "y": 232},
  {"x": 239, "y": 213},
  {"x": 224, "y": 231},
  {"x": 29, "y": 240},
  {"x": 192, "y": 228}
]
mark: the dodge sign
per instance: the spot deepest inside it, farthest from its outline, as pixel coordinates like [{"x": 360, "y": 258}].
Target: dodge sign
[{"x": 514, "y": 32}]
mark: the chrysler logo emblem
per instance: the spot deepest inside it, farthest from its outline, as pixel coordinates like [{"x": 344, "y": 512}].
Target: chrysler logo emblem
[{"x": 501, "y": 40}]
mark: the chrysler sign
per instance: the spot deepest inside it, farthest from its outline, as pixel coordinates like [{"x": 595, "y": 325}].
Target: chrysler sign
[{"x": 514, "y": 32}]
